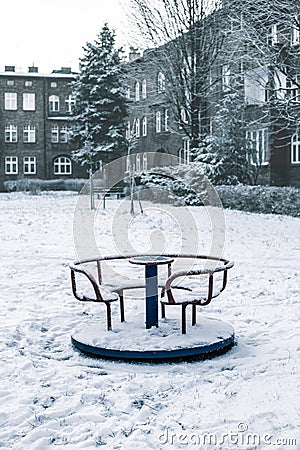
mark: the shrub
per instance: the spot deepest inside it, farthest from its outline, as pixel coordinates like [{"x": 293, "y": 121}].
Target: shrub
[
  {"x": 36, "y": 185},
  {"x": 180, "y": 185}
]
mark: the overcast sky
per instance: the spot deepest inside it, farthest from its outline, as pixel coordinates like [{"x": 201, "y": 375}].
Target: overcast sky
[{"x": 51, "y": 33}]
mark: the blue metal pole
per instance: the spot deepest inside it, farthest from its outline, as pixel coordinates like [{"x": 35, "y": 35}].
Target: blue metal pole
[{"x": 151, "y": 296}]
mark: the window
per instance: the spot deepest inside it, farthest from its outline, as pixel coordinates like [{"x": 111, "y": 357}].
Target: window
[
  {"x": 28, "y": 102},
  {"x": 29, "y": 134},
  {"x": 10, "y": 100},
  {"x": 53, "y": 103},
  {"x": 128, "y": 164},
  {"x": 295, "y": 148},
  {"x": 62, "y": 166},
  {"x": 274, "y": 34},
  {"x": 137, "y": 128},
  {"x": 225, "y": 77},
  {"x": 144, "y": 89},
  {"x": 295, "y": 35},
  {"x": 144, "y": 126},
  {"x": 145, "y": 161},
  {"x": 63, "y": 134},
  {"x": 11, "y": 165},
  {"x": 128, "y": 93},
  {"x": 184, "y": 152},
  {"x": 70, "y": 102},
  {"x": 128, "y": 131},
  {"x": 257, "y": 141},
  {"x": 10, "y": 83},
  {"x": 161, "y": 82},
  {"x": 138, "y": 162},
  {"x": 158, "y": 122},
  {"x": 11, "y": 133},
  {"x": 137, "y": 91},
  {"x": 166, "y": 120},
  {"x": 183, "y": 116},
  {"x": 28, "y": 84},
  {"x": 292, "y": 89},
  {"x": 53, "y": 84},
  {"x": 29, "y": 165},
  {"x": 54, "y": 134}
]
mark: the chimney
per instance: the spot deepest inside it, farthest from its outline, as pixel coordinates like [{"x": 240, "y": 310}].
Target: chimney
[
  {"x": 33, "y": 69},
  {"x": 133, "y": 54},
  {"x": 63, "y": 70},
  {"x": 10, "y": 68},
  {"x": 66, "y": 70}
]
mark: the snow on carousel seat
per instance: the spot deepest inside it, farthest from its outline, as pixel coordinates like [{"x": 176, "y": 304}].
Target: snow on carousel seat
[
  {"x": 193, "y": 287},
  {"x": 101, "y": 293}
]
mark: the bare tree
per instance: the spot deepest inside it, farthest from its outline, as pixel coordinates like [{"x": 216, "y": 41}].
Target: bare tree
[{"x": 188, "y": 39}]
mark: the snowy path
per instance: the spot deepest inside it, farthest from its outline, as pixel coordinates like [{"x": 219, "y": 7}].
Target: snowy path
[{"x": 51, "y": 395}]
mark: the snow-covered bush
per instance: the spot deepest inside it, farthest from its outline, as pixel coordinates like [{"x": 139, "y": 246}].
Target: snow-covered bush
[
  {"x": 186, "y": 185},
  {"x": 36, "y": 185}
]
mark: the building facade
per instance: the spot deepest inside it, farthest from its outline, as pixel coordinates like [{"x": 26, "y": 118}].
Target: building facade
[
  {"x": 34, "y": 125},
  {"x": 35, "y": 108},
  {"x": 269, "y": 96}
]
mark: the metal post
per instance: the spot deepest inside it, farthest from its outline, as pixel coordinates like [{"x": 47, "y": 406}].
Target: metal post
[
  {"x": 91, "y": 189},
  {"x": 151, "y": 296}
]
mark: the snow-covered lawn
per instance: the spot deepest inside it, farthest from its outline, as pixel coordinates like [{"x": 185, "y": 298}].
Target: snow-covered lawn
[{"x": 51, "y": 395}]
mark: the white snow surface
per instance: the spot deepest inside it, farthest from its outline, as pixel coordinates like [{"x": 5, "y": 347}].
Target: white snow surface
[{"x": 53, "y": 396}]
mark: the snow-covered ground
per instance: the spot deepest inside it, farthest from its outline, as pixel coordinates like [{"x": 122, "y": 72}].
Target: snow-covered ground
[{"x": 51, "y": 395}]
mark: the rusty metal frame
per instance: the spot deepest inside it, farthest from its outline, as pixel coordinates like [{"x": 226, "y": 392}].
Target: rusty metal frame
[{"x": 166, "y": 289}]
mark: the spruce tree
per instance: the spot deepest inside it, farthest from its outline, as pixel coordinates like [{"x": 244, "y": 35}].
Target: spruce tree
[{"x": 100, "y": 105}]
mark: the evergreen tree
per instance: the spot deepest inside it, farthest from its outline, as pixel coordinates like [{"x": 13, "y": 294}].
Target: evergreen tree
[
  {"x": 100, "y": 105},
  {"x": 227, "y": 158}
]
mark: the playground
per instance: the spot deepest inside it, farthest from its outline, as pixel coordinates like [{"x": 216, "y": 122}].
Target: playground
[{"x": 52, "y": 394}]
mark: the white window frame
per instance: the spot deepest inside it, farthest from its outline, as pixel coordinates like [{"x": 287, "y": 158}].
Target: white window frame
[
  {"x": 144, "y": 89},
  {"x": 53, "y": 84},
  {"x": 258, "y": 140},
  {"x": 158, "y": 122},
  {"x": 29, "y": 134},
  {"x": 54, "y": 134},
  {"x": 28, "y": 101},
  {"x": 70, "y": 102},
  {"x": 145, "y": 161},
  {"x": 295, "y": 32},
  {"x": 28, "y": 83},
  {"x": 138, "y": 162},
  {"x": 184, "y": 152},
  {"x": 63, "y": 134},
  {"x": 295, "y": 148},
  {"x": 11, "y": 133},
  {"x": 226, "y": 74},
  {"x": 161, "y": 82},
  {"x": 54, "y": 103},
  {"x": 62, "y": 165},
  {"x": 137, "y": 91},
  {"x": 183, "y": 115},
  {"x": 293, "y": 90},
  {"x": 10, "y": 101},
  {"x": 166, "y": 119},
  {"x": 11, "y": 165},
  {"x": 274, "y": 34},
  {"x": 128, "y": 131},
  {"x": 29, "y": 165},
  {"x": 137, "y": 128},
  {"x": 144, "y": 126}
]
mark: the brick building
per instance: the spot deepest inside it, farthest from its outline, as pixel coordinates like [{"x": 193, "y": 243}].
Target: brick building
[
  {"x": 271, "y": 97},
  {"x": 34, "y": 127}
]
